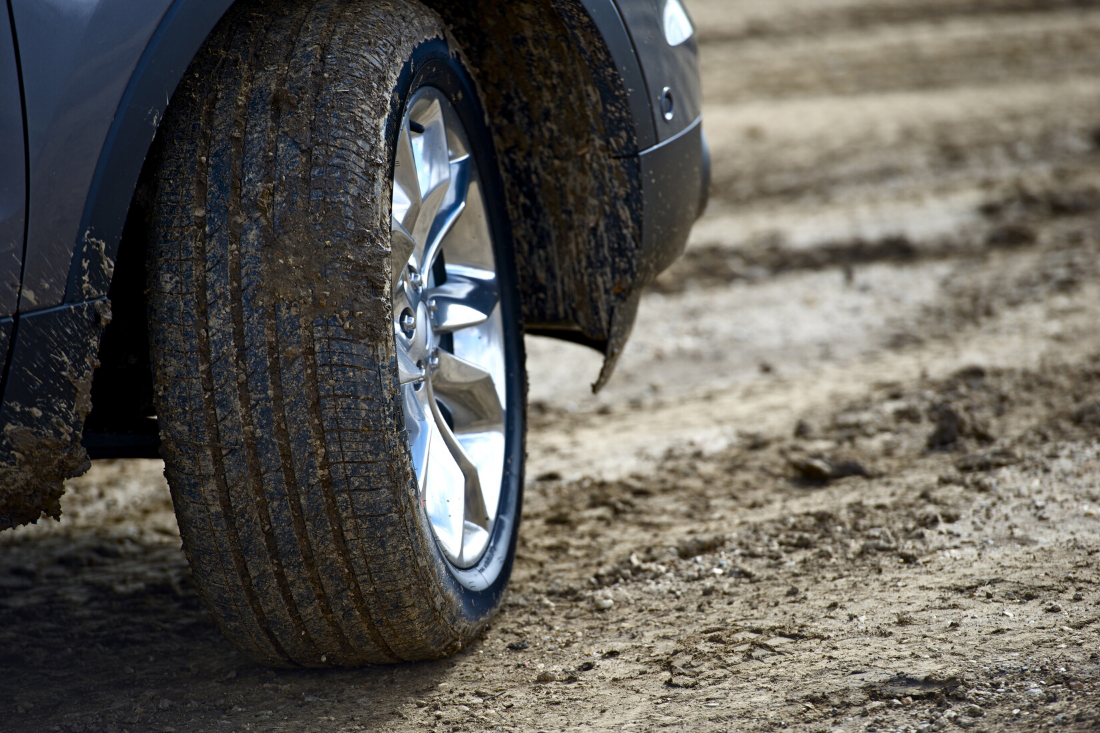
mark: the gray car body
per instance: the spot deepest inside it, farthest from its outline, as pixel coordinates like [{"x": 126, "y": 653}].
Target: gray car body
[{"x": 83, "y": 87}]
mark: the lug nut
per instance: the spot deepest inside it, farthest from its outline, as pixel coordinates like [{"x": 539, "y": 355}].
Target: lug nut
[
  {"x": 433, "y": 360},
  {"x": 414, "y": 277},
  {"x": 407, "y": 322}
]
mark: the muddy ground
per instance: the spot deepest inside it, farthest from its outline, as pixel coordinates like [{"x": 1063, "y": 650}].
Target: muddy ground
[{"x": 846, "y": 478}]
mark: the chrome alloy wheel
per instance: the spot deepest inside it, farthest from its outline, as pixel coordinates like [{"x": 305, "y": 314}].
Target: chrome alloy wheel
[{"x": 448, "y": 327}]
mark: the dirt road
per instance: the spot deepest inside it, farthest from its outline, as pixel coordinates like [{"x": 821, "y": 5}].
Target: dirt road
[{"x": 847, "y": 477}]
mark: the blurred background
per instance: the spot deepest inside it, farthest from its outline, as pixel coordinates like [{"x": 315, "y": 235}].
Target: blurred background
[{"x": 868, "y": 157}]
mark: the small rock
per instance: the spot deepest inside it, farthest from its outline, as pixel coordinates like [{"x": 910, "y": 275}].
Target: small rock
[
  {"x": 974, "y": 711},
  {"x": 1054, "y": 608},
  {"x": 948, "y": 425},
  {"x": 813, "y": 469},
  {"x": 823, "y": 470},
  {"x": 438, "y": 714},
  {"x": 1078, "y": 596},
  {"x": 680, "y": 680},
  {"x": 519, "y": 646},
  {"x": 793, "y": 591},
  {"x": 872, "y": 546},
  {"x": 546, "y": 676},
  {"x": 895, "y": 703},
  {"x": 602, "y": 604},
  {"x": 940, "y": 723},
  {"x": 1035, "y": 692},
  {"x": 1011, "y": 236},
  {"x": 873, "y": 707},
  {"x": 987, "y": 461}
]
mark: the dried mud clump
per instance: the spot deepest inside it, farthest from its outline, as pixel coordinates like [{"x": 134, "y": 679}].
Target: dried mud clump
[{"x": 40, "y": 444}]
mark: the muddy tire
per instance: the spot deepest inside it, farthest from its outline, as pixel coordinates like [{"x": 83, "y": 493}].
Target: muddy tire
[{"x": 282, "y": 392}]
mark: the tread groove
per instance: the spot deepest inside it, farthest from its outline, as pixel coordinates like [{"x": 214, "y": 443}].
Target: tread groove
[
  {"x": 236, "y": 292},
  {"x": 317, "y": 429},
  {"x": 215, "y": 451}
]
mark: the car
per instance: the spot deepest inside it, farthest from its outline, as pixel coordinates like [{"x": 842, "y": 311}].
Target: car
[{"x": 292, "y": 247}]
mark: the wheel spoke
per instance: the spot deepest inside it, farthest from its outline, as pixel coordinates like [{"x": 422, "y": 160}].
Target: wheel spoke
[
  {"x": 466, "y": 299},
  {"x": 446, "y": 508},
  {"x": 402, "y": 246},
  {"x": 406, "y": 188},
  {"x": 449, "y": 210},
  {"x": 433, "y": 172},
  {"x": 407, "y": 370},
  {"x": 474, "y": 501},
  {"x": 418, "y": 425},
  {"x": 469, "y": 393}
]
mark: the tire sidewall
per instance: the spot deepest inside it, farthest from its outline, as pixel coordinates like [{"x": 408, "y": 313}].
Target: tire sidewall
[{"x": 478, "y": 589}]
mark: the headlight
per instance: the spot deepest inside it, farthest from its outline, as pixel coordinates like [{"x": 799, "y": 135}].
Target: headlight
[{"x": 678, "y": 26}]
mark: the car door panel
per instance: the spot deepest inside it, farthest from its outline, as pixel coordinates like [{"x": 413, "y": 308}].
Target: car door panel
[
  {"x": 77, "y": 57},
  {"x": 13, "y": 173}
]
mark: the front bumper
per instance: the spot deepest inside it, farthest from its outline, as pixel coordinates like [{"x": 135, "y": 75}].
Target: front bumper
[{"x": 675, "y": 189}]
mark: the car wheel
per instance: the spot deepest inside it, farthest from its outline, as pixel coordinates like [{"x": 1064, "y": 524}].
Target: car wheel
[{"x": 335, "y": 336}]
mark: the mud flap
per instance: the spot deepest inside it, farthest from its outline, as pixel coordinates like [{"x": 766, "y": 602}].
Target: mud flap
[
  {"x": 622, "y": 322},
  {"x": 47, "y": 397}
]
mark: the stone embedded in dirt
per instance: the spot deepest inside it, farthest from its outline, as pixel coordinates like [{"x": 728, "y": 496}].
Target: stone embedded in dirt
[
  {"x": 928, "y": 520},
  {"x": 873, "y": 546},
  {"x": 698, "y": 545},
  {"x": 1011, "y": 236},
  {"x": 822, "y": 470},
  {"x": 680, "y": 680},
  {"x": 793, "y": 591},
  {"x": 602, "y": 604},
  {"x": 1088, "y": 414},
  {"x": 1054, "y": 608},
  {"x": 873, "y": 707},
  {"x": 947, "y": 430},
  {"x": 813, "y": 469},
  {"x": 546, "y": 676},
  {"x": 803, "y": 429},
  {"x": 987, "y": 461},
  {"x": 519, "y": 646}
]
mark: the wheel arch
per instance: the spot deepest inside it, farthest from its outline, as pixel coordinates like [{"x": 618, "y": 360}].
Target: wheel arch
[
  {"x": 556, "y": 102},
  {"x": 166, "y": 57},
  {"x": 553, "y": 92},
  {"x": 562, "y": 93}
]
